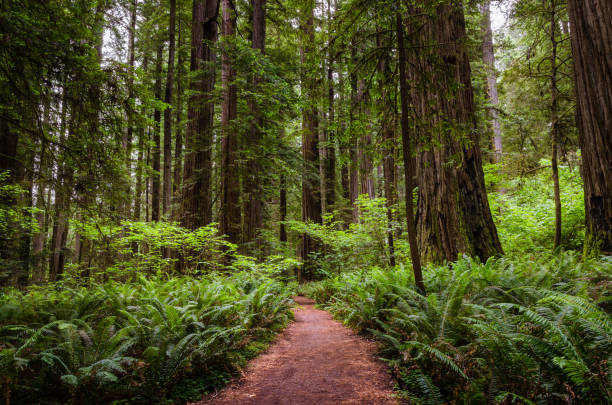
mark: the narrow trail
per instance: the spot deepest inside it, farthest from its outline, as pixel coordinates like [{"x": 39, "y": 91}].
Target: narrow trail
[{"x": 316, "y": 360}]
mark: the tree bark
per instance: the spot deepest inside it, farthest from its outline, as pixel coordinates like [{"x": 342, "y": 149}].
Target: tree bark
[
  {"x": 178, "y": 136},
  {"x": 254, "y": 179},
  {"x": 156, "y": 183},
  {"x": 453, "y": 210},
  {"x": 167, "y": 191},
  {"x": 330, "y": 152},
  {"x": 387, "y": 124},
  {"x": 311, "y": 193},
  {"x": 282, "y": 235},
  {"x": 488, "y": 56},
  {"x": 230, "y": 217},
  {"x": 141, "y": 156},
  {"x": 591, "y": 36},
  {"x": 196, "y": 200},
  {"x": 409, "y": 170},
  {"x": 366, "y": 183},
  {"x": 554, "y": 117}
]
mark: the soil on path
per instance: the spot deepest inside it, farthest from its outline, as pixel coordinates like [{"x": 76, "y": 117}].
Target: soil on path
[{"x": 316, "y": 360}]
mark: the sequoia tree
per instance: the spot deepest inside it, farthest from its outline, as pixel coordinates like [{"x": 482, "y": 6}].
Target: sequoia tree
[
  {"x": 229, "y": 212},
  {"x": 311, "y": 192},
  {"x": 453, "y": 214},
  {"x": 591, "y": 36},
  {"x": 196, "y": 199}
]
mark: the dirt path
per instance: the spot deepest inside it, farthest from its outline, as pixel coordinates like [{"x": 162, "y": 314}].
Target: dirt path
[{"x": 316, "y": 361}]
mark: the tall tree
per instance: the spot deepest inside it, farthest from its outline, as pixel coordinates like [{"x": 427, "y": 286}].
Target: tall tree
[
  {"x": 178, "y": 137},
  {"x": 488, "y": 57},
  {"x": 167, "y": 192},
  {"x": 311, "y": 192},
  {"x": 253, "y": 179},
  {"x": 196, "y": 200},
  {"x": 453, "y": 210},
  {"x": 329, "y": 163},
  {"x": 591, "y": 36},
  {"x": 554, "y": 116},
  {"x": 156, "y": 181},
  {"x": 407, "y": 146},
  {"x": 388, "y": 125},
  {"x": 229, "y": 211}
]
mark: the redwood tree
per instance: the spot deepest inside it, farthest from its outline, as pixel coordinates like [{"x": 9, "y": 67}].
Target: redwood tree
[
  {"x": 311, "y": 192},
  {"x": 591, "y": 33},
  {"x": 196, "y": 199},
  {"x": 167, "y": 188},
  {"x": 453, "y": 214},
  {"x": 254, "y": 207},
  {"x": 229, "y": 214}
]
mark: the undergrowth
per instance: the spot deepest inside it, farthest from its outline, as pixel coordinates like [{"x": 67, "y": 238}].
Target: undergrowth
[
  {"x": 148, "y": 341},
  {"x": 512, "y": 330}
]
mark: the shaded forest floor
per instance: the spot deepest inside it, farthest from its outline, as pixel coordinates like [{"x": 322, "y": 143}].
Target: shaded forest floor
[{"x": 315, "y": 361}]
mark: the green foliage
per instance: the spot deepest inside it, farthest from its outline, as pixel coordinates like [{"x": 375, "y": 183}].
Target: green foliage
[
  {"x": 143, "y": 341},
  {"x": 360, "y": 245},
  {"x": 512, "y": 330},
  {"x": 524, "y": 211}
]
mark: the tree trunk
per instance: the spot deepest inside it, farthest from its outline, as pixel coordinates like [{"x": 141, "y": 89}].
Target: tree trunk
[
  {"x": 156, "y": 184},
  {"x": 230, "y": 218},
  {"x": 591, "y": 35},
  {"x": 311, "y": 193},
  {"x": 554, "y": 117},
  {"x": 63, "y": 183},
  {"x": 409, "y": 170},
  {"x": 366, "y": 183},
  {"x": 178, "y": 136},
  {"x": 282, "y": 236},
  {"x": 388, "y": 137},
  {"x": 453, "y": 210},
  {"x": 254, "y": 179},
  {"x": 127, "y": 143},
  {"x": 139, "y": 165},
  {"x": 167, "y": 192},
  {"x": 196, "y": 200},
  {"x": 488, "y": 57},
  {"x": 330, "y": 152}
]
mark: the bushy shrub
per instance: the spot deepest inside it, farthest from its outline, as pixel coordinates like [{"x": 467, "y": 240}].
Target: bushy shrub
[
  {"x": 532, "y": 330},
  {"x": 523, "y": 209},
  {"x": 359, "y": 245}
]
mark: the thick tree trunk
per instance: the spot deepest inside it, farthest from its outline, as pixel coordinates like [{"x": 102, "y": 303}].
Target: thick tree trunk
[
  {"x": 254, "y": 177},
  {"x": 230, "y": 218},
  {"x": 167, "y": 192},
  {"x": 178, "y": 135},
  {"x": 156, "y": 183},
  {"x": 196, "y": 200},
  {"x": 311, "y": 193},
  {"x": 488, "y": 56},
  {"x": 591, "y": 35},
  {"x": 453, "y": 210},
  {"x": 409, "y": 171}
]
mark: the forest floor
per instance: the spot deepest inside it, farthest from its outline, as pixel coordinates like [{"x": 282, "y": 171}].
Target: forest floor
[{"x": 316, "y": 360}]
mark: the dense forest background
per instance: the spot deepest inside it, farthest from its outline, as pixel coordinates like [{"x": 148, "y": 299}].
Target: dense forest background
[{"x": 166, "y": 149}]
